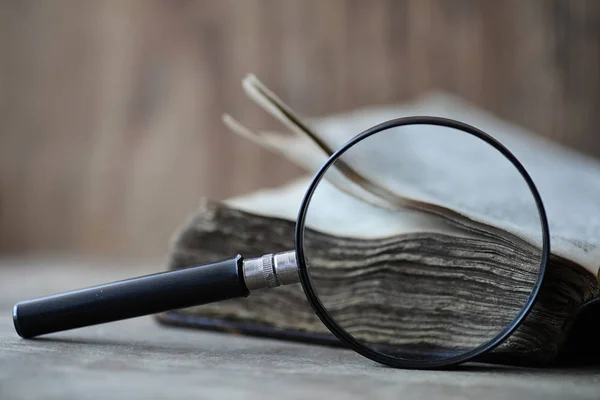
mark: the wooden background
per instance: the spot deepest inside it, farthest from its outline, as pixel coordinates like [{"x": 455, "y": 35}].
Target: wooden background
[{"x": 110, "y": 125}]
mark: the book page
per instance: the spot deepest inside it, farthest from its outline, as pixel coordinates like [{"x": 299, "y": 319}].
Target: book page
[
  {"x": 569, "y": 183},
  {"x": 344, "y": 215}
]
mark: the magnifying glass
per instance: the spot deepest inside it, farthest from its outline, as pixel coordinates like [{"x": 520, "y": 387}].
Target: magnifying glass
[{"x": 433, "y": 275}]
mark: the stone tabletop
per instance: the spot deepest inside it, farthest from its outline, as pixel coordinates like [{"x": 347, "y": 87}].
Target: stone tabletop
[{"x": 142, "y": 359}]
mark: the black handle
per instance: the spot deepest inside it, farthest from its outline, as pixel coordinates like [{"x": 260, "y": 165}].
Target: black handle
[{"x": 131, "y": 298}]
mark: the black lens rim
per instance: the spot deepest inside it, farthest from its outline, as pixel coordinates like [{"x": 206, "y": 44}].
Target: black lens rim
[{"x": 340, "y": 332}]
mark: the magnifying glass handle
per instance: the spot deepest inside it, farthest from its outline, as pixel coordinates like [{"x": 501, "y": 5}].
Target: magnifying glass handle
[
  {"x": 151, "y": 294},
  {"x": 131, "y": 298}
]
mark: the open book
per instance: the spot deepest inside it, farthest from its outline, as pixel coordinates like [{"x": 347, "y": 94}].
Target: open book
[{"x": 264, "y": 221}]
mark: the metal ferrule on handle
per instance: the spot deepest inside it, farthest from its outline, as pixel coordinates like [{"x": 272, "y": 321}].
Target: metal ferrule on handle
[{"x": 271, "y": 270}]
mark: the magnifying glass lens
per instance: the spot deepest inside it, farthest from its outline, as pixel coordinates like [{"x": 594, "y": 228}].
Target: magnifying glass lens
[{"x": 422, "y": 243}]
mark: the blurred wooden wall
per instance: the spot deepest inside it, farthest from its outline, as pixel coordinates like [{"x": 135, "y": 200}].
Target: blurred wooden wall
[{"x": 110, "y": 125}]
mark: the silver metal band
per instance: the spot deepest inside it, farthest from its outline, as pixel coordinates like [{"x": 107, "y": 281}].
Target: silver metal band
[
  {"x": 286, "y": 268},
  {"x": 271, "y": 270}
]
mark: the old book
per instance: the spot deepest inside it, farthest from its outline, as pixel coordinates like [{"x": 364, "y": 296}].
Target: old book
[{"x": 264, "y": 221}]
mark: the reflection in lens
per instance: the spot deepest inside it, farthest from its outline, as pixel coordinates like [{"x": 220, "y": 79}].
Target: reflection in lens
[{"x": 425, "y": 242}]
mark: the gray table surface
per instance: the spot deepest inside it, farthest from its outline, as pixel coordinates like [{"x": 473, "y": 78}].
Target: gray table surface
[{"x": 141, "y": 359}]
